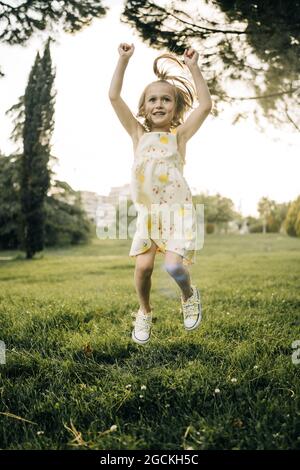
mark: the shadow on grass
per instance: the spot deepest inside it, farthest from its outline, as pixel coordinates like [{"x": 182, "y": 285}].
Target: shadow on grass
[{"x": 133, "y": 357}]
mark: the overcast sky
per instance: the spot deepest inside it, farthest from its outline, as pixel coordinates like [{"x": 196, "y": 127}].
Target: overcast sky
[{"x": 94, "y": 151}]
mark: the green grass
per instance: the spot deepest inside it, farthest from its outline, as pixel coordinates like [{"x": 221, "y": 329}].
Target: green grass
[{"x": 73, "y": 372}]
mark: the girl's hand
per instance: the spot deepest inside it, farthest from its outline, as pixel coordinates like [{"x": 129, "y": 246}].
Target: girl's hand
[
  {"x": 190, "y": 57},
  {"x": 126, "y": 50}
]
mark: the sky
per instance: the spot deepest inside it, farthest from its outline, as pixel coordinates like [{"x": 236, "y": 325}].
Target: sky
[{"x": 95, "y": 153}]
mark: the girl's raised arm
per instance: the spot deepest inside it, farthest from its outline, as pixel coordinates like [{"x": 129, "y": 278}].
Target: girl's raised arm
[
  {"x": 186, "y": 130},
  {"x": 123, "y": 112}
]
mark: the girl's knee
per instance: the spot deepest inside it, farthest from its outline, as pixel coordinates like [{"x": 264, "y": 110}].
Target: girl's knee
[
  {"x": 172, "y": 268},
  {"x": 176, "y": 270}
]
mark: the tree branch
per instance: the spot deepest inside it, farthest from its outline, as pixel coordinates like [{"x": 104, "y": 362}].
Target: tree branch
[
  {"x": 271, "y": 95},
  {"x": 290, "y": 119}
]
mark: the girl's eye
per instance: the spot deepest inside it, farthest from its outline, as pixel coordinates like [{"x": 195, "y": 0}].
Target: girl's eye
[{"x": 164, "y": 99}]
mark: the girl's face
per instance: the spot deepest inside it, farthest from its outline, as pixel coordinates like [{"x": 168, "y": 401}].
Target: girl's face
[{"x": 160, "y": 106}]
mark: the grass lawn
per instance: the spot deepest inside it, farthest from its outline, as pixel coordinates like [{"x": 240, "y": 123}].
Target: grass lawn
[{"x": 73, "y": 378}]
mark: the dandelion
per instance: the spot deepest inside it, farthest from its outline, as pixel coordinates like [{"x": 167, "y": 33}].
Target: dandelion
[
  {"x": 39, "y": 433},
  {"x": 217, "y": 390},
  {"x": 113, "y": 428},
  {"x": 238, "y": 423},
  {"x": 128, "y": 386},
  {"x": 141, "y": 396},
  {"x": 234, "y": 380},
  {"x": 143, "y": 387},
  {"x": 255, "y": 367}
]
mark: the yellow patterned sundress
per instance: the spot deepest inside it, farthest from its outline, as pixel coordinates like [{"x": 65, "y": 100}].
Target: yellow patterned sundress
[{"x": 158, "y": 184}]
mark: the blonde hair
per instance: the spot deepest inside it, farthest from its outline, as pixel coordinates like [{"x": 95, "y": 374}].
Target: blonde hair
[{"x": 183, "y": 88}]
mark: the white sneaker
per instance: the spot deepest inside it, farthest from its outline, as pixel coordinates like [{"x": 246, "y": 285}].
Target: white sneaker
[
  {"x": 191, "y": 310},
  {"x": 142, "y": 327}
]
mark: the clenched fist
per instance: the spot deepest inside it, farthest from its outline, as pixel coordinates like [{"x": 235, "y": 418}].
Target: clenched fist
[
  {"x": 126, "y": 50},
  {"x": 190, "y": 56}
]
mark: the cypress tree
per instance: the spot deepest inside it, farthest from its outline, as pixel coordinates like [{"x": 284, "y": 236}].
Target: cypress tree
[{"x": 35, "y": 174}]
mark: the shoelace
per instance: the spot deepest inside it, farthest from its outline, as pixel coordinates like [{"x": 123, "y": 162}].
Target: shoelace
[
  {"x": 142, "y": 322},
  {"x": 188, "y": 307},
  {"x": 143, "y": 325}
]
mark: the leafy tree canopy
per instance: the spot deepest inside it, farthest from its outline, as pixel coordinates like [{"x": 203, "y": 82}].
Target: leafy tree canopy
[
  {"x": 256, "y": 42},
  {"x": 20, "y": 19}
]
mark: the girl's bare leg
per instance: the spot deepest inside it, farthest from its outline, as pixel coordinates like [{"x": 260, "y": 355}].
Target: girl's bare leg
[
  {"x": 142, "y": 276},
  {"x": 174, "y": 266}
]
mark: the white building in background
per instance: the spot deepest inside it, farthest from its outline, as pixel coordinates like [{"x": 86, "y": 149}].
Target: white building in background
[
  {"x": 119, "y": 191},
  {"x": 102, "y": 209},
  {"x": 90, "y": 203}
]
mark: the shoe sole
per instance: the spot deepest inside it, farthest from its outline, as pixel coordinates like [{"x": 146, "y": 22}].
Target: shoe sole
[
  {"x": 138, "y": 341},
  {"x": 199, "y": 316}
]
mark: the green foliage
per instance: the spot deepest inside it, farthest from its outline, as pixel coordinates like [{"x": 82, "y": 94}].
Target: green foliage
[
  {"x": 254, "y": 224},
  {"x": 276, "y": 219},
  {"x": 10, "y": 210},
  {"x": 218, "y": 210},
  {"x": 72, "y": 368},
  {"x": 272, "y": 214},
  {"x": 65, "y": 222},
  {"x": 210, "y": 228},
  {"x": 292, "y": 222}
]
